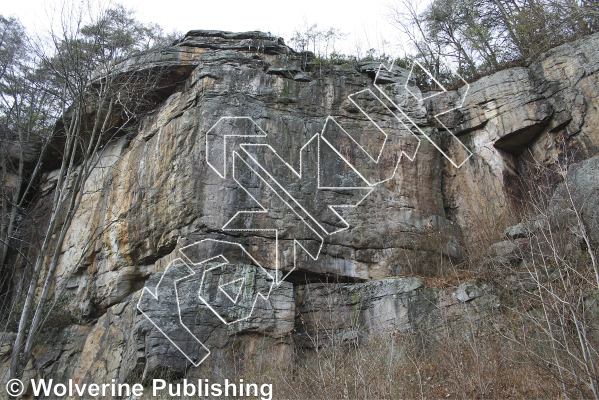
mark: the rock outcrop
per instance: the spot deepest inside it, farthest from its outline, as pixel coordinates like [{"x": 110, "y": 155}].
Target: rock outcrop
[{"x": 155, "y": 192}]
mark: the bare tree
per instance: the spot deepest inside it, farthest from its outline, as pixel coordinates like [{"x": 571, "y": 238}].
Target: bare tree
[
  {"x": 559, "y": 283},
  {"x": 479, "y": 36},
  {"x": 26, "y": 112},
  {"x": 100, "y": 96},
  {"x": 405, "y": 15}
]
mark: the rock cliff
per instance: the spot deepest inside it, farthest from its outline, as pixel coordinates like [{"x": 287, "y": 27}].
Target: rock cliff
[{"x": 185, "y": 175}]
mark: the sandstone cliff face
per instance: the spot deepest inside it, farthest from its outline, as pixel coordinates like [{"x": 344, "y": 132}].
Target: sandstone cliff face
[
  {"x": 155, "y": 193},
  {"x": 520, "y": 114}
]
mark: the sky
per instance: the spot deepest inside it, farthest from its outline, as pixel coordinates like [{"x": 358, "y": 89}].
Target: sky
[{"x": 364, "y": 23}]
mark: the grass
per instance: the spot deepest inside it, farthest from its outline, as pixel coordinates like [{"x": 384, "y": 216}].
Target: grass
[{"x": 407, "y": 365}]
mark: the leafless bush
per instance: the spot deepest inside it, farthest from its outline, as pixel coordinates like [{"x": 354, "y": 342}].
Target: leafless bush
[
  {"x": 413, "y": 364},
  {"x": 557, "y": 282}
]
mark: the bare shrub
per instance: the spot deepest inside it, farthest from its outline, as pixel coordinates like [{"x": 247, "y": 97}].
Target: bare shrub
[
  {"x": 556, "y": 283},
  {"x": 449, "y": 358},
  {"x": 409, "y": 365}
]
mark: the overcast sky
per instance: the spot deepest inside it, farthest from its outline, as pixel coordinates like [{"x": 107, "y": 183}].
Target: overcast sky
[{"x": 365, "y": 23}]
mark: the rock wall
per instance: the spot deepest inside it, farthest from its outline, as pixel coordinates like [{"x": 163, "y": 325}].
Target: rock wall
[{"x": 156, "y": 192}]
